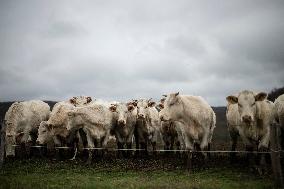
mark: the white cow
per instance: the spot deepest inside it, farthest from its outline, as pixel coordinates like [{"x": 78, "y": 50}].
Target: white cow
[
  {"x": 169, "y": 130},
  {"x": 279, "y": 115},
  {"x": 195, "y": 117},
  {"x": 55, "y": 129},
  {"x": 255, "y": 114},
  {"x": 148, "y": 124},
  {"x": 233, "y": 122},
  {"x": 279, "y": 110},
  {"x": 125, "y": 116},
  {"x": 22, "y": 121},
  {"x": 96, "y": 121}
]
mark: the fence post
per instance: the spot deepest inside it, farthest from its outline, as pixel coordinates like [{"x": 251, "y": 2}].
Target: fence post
[
  {"x": 275, "y": 155},
  {"x": 2, "y": 142}
]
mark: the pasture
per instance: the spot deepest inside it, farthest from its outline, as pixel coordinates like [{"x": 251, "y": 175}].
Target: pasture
[
  {"x": 153, "y": 172},
  {"x": 128, "y": 173}
]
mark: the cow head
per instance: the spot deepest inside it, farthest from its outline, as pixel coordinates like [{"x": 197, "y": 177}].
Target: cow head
[
  {"x": 172, "y": 107},
  {"x": 151, "y": 103},
  {"x": 142, "y": 107},
  {"x": 160, "y": 106},
  {"x": 45, "y": 133},
  {"x": 10, "y": 139},
  {"x": 80, "y": 100},
  {"x": 134, "y": 102},
  {"x": 72, "y": 120},
  {"x": 247, "y": 107},
  {"x": 122, "y": 111}
]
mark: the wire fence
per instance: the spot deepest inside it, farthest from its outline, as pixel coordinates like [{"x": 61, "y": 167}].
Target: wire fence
[{"x": 162, "y": 150}]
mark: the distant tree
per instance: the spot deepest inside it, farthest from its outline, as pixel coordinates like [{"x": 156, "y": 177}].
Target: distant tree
[{"x": 274, "y": 93}]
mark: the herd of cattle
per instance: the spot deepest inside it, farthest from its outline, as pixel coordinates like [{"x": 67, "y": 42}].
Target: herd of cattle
[{"x": 182, "y": 121}]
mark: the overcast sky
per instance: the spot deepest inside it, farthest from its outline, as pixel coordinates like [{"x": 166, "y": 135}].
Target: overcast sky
[{"x": 119, "y": 50}]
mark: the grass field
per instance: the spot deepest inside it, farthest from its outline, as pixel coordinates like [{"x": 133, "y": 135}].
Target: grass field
[{"x": 119, "y": 173}]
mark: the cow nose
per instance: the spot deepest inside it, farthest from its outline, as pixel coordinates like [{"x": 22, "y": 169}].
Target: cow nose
[
  {"x": 121, "y": 121},
  {"x": 140, "y": 115},
  {"x": 247, "y": 118}
]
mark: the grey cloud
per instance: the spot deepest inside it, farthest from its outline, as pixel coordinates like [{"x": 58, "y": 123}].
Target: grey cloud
[{"x": 121, "y": 50}]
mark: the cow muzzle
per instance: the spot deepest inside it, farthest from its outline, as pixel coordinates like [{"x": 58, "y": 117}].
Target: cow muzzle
[
  {"x": 141, "y": 116},
  {"x": 247, "y": 119},
  {"x": 121, "y": 122}
]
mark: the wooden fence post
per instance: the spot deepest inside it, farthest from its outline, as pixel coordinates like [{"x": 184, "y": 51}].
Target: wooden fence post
[
  {"x": 2, "y": 143},
  {"x": 275, "y": 155}
]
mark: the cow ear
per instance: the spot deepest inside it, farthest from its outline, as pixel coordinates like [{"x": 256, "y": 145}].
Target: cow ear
[
  {"x": 260, "y": 96},
  {"x": 161, "y": 106},
  {"x": 232, "y": 99},
  {"x": 49, "y": 126},
  {"x": 165, "y": 95},
  {"x": 176, "y": 93},
  {"x": 89, "y": 99},
  {"x": 130, "y": 107},
  {"x": 112, "y": 108},
  {"x": 151, "y": 104},
  {"x": 72, "y": 100},
  {"x": 134, "y": 102}
]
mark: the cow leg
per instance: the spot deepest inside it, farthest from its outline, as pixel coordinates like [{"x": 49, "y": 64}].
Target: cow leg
[
  {"x": 75, "y": 146},
  {"x": 57, "y": 143},
  {"x": 208, "y": 149},
  {"x": 144, "y": 147},
  {"x": 97, "y": 151},
  {"x": 262, "y": 161},
  {"x": 154, "y": 145},
  {"x": 189, "y": 144},
  {"x": 84, "y": 142},
  {"x": 197, "y": 149},
  {"x": 204, "y": 141},
  {"x": 129, "y": 141},
  {"x": 154, "y": 142},
  {"x": 234, "y": 140},
  {"x": 171, "y": 145},
  {"x": 129, "y": 146},
  {"x": 119, "y": 147},
  {"x": 90, "y": 146},
  {"x": 124, "y": 152},
  {"x": 282, "y": 136},
  {"x": 250, "y": 156},
  {"x": 137, "y": 142},
  {"x": 178, "y": 148},
  {"x": 263, "y": 147},
  {"x": 28, "y": 149}
]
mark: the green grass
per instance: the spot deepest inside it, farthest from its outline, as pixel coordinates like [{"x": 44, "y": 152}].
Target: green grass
[{"x": 56, "y": 174}]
